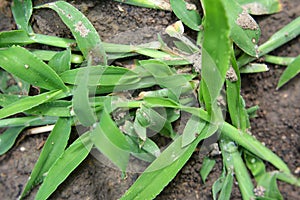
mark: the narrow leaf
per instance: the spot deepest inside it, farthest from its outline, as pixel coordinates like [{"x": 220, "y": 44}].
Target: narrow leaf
[
  {"x": 85, "y": 34},
  {"x": 14, "y": 37},
  {"x": 192, "y": 129},
  {"x": 101, "y": 75},
  {"x": 27, "y": 121},
  {"x": 156, "y": 4},
  {"x": 55, "y": 108},
  {"x": 215, "y": 61},
  {"x": 8, "y": 138},
  {"x": 64, "y": 165},
  {"x": 207, "y": 166},
  {"x": 284, "y": 35},
  {"x": 261, "y": 7},
  {"x": 245, "y": 31},
  {"x": 113, "y": 150},
  {"x": 159, "y": 174},
  {"x": 254, "y": 68},
  {"x": 29, "y": 68},
  {"x": 28, "y": 103},
  {"x": 291, "y": 71},
  {"x": 61, "y": 61},
  {"x": 22, "y": 11},
  {"x": 187, "y": 13},
  {"x": 81, "y": 104},
  {"x": 53, "y": 148}
]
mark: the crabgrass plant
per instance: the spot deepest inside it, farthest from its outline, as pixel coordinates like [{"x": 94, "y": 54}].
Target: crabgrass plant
[{"x": 119, "y": 106}]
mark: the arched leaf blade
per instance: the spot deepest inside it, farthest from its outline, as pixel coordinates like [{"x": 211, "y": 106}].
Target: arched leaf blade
[
  {"x": 85, "y": 34},
  {"x": 29, "y": 68}
]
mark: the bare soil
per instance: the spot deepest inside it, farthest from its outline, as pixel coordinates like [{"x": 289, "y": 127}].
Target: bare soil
[{"x": 277, "y": 124}]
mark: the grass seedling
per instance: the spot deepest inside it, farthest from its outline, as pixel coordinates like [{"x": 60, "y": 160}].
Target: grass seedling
[{"x": 94, "y": 95}]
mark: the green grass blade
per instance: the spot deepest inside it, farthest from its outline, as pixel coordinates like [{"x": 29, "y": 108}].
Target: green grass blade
[
  {"x": 278, "y": 60},
  {"x": 108, "y": 126},
  {"x": 81, "y": 103},
  {"x": 27, "y": 121},
  {"x": 288, "y": 178},
  {"x": 82, "y": 29},
  {"x": 242, "y": 176},
  {"x": 28, "y": 103},
  {"x": 53, "y": 148},
  {"x": 254, "y": 68},
  {"x": 64, "y": 165},
  {"x": 61, "y": 61},
  {"x": 156, "y": 4},
  {"x": 261, "y": 7},
  {"x": 207, "y": 165},
  {"x": 53, "y": 40},
  {"x": 218, "y": 184},
  {"x": 55, "y": 108},
  {"x": 192, "y": 129},
  {"x": 245, "y": 31},
  {"x": 251, "y": 144},
  {"x": 226, "y": 189},
  {"x": 29, "y": 68},
  {"x": 255, "y": 165},
  {"x": 48, "y": 55},
  {"x": 8, "y": 138},
  {"x": 14, "y": 37},
  {"x": 269, "y": 184},
  {"x": 102, "y": 75},
  {"x": 113, "y": 149},
  {"x": 22, "y": 11},
  {"x": 158, "y": 174},
  {"x": 291, "y": 71},
  {"x": 284, "y": 35},
  {"x": 215, "y": 61},
  {"x": 19, "y": 88},
  {"x": 238, "y": 113},
  {"x": 187, "y": 13}
]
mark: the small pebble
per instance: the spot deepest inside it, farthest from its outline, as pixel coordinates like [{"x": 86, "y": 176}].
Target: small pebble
[{"x": 22, "y": 149}]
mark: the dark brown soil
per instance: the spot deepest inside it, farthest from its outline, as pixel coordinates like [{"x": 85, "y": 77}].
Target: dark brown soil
[{"x": 277, "y": 124}]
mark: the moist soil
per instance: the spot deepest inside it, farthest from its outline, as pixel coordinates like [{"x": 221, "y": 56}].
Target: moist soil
[{"x": 277, "y": 124}]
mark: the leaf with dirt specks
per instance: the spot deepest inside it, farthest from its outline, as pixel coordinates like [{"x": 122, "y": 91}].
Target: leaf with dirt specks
[{"x": 85, "y": 34}]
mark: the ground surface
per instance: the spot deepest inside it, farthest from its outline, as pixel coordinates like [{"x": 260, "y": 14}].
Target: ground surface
[{"x": 277, "y": 124}]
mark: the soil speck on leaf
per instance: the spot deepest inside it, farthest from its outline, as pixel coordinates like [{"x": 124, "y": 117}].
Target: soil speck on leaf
[{"x": 246, "y": 21}]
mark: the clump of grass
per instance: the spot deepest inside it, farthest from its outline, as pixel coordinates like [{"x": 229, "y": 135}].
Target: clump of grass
[{"x": 81, "y": 89}]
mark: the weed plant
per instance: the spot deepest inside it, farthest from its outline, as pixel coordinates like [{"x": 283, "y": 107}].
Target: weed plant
[{"x": 120, "y": 107}]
